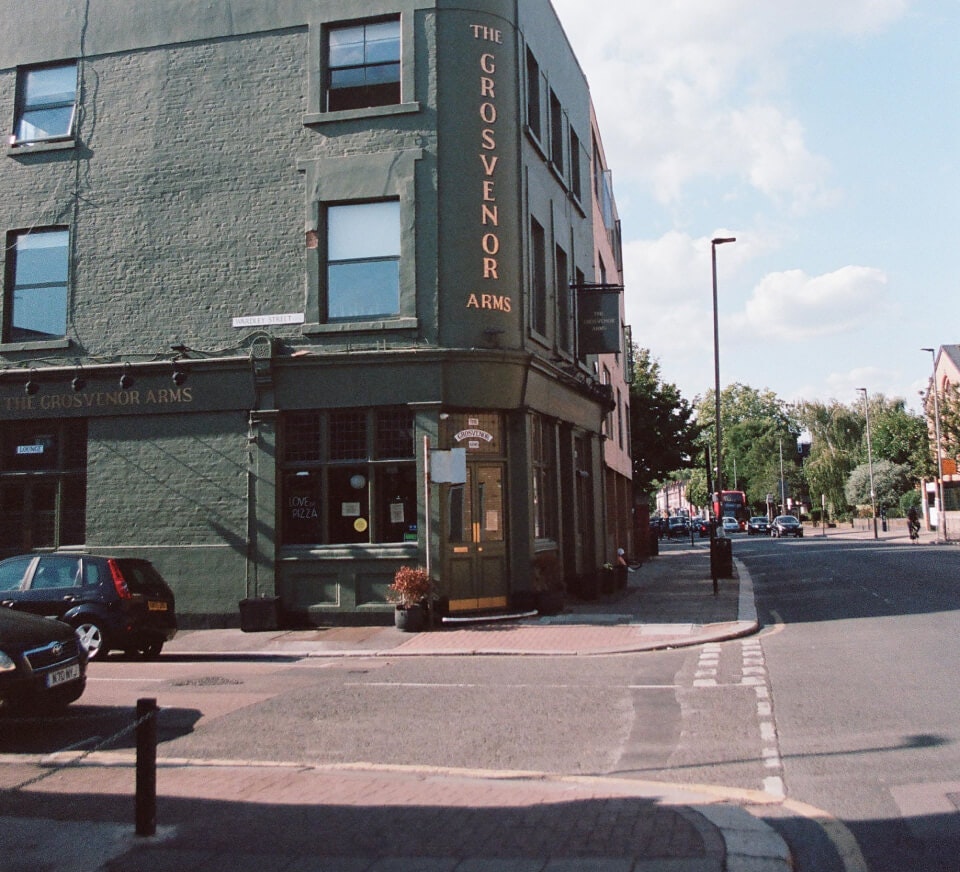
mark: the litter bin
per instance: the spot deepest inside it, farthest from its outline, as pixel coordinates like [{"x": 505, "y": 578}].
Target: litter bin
[
  {"x": 258, "y": 614},
  {"x": 654, "y": 544},
  {"x": 721, "y": 558}
]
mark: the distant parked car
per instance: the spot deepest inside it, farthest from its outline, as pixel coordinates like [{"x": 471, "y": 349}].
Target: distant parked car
[
  {"x": 42, "y": 663},
  {"x": 658, "y": 526},
  {"x": 112, "y": 602},
  {"x": 731, "y": 525},
  {"x": 758, "y": 525},
  {"x": 678, "y": 528},
  {"x": 786, "y": 525},
  {"x": 702, "y": 526}
]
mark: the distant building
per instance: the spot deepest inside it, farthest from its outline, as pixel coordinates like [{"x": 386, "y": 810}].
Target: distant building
[
  {"x": 947, "y": 375},
  {"x": 258, "y": 266},
  {"x": 672, "y": 499}
]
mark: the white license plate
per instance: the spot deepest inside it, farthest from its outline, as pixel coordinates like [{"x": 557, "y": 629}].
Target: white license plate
[{"x": 62, "y": 676}]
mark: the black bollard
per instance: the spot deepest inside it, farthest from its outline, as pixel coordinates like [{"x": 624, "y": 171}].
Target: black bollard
[{"x": 146, "y": 799}]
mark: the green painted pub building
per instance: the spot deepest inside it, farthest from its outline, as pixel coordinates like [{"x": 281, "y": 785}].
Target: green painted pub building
[{"x": 263, "y": 261}]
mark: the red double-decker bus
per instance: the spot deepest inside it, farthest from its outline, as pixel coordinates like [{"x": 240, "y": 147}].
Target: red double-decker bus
[{"x": 733, "y": 504}]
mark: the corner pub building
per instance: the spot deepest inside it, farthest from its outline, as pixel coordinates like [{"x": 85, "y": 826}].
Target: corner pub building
[{"x": 264, "y": 261}]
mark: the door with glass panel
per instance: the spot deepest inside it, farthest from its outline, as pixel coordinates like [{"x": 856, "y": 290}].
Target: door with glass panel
[{"x": 475, "y": 539}]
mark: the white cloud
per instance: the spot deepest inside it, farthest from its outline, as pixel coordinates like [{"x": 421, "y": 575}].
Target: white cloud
[
  {"x": 793, "y": 306},
  {"x": 690, "y": 88}
]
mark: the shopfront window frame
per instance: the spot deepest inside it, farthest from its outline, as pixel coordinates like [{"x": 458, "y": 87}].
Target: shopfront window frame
[
  {"x": 358, "y": 486},
  {"x": 43, "y": 492}
]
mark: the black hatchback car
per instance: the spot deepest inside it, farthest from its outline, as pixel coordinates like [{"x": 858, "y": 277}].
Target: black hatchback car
[
  {"x": 42, "y": 663},
  {"x": 112, "y": 602},
  {"x": 786, "y": 525}
]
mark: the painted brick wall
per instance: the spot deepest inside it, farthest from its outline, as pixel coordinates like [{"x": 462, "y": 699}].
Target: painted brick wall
[
  {"x": 174, "y": 488},
  {"x": 192, "y": 197}
]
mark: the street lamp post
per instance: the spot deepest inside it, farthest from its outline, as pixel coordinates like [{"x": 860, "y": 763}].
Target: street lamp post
[
  {"x": 716, "y": 370},
  {"x": 873, "y": 496},
  {"x": 941, "y": 516}
]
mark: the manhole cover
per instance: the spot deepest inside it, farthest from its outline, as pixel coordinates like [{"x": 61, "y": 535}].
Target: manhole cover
[{"x": 206, "y": 681}]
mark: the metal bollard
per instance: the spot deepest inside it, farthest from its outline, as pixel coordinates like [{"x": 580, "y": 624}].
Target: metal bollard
[{"x": 146, "y": 798}]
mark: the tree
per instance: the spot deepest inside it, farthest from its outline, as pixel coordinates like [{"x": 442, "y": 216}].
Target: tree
[
  {"x": 949, "y": 401},
  {"x": 836, "y": 433},
  {"x": 890, "y": 482},
  {"x": 754, "y": 424},
  {"x": 663, "y": 433},
  {"x": 900, "y": 436},
  {"x": 697, "y": 492}
]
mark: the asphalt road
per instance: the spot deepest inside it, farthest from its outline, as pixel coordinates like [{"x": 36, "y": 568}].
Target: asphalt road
[
  {"x": 845, "y": 702},
  {"x": 860, "y": 649}
]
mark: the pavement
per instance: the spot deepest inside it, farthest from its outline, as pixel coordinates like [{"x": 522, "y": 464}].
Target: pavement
[{"x": 74, "y": 811}]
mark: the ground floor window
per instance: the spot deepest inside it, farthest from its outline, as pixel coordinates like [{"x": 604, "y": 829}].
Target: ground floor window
[
  {"x": 543, "y": 444},
  {"x": 348, "y": 476},
  {"x": 43, "y": 484}
]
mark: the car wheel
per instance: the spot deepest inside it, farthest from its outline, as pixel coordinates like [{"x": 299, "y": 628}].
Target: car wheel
[
  {"x": 151, "y": 651},
  {"x": 92, "y": 638}
]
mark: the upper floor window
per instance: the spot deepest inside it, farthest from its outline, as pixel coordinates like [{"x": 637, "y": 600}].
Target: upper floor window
[
  {"x": 363, "y": 62},
  {"x": 46, "y": 105},
  {"x": 538, "y": 277},
  {"x": 533, "y": 95},
  {"x": 556, "y": 132},
  {"x": 363, "y": 259},
  {"x": 576, "y": 185},
  {"x": 564, "y": 314},
  {"x": 36, "y": 301}
]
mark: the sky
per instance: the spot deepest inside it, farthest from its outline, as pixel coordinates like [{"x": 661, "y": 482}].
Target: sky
[{"x": 825, "y": 136}]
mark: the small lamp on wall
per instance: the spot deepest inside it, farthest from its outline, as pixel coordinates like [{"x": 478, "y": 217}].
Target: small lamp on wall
[{"x": 126, "y": 380}]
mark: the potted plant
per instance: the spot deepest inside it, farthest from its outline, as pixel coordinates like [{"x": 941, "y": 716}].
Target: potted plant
[
  {"x": 548, "y": 583},
  {"x": 410, "y": 591},
  {"x": 608, "y": 580}
]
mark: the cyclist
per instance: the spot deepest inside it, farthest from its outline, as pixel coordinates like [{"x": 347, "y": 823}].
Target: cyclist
[{"x": 913, "y": 523}]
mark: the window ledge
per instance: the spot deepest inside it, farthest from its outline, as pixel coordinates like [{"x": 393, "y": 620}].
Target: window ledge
[
  {"x": 311, "y": 118},
  {"x": 536, "y": 142},
  {"x": 37, "y": 345},
  {"x": 379, "y": 324},
  {"x": 23, "y": 149},
  {"x": 578, "y": 203}
]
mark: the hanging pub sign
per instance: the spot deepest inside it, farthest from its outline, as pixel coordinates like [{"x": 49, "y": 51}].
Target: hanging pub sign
[{"x": 598, "y": 308}]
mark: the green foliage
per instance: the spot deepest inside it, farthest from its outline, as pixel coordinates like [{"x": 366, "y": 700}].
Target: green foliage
[
  {"x": 890, "y": 482},
  {"x": 900, "y": 436},
  {"x": 836, "y": 433},
  {"x": 697, "y": 492},
  {"x": 910, "y": 500},
  {"x": 663, "y": 433},
  {"x": 949, "y": 401},
  {"x": 754, "y": 424}
]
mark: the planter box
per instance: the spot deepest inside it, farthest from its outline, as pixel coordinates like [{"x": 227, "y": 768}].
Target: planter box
[{"x": 260, "y": 614}]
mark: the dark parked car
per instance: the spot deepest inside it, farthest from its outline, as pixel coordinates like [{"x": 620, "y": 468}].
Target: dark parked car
[
  {"x": 42, "y": 663},
  {"x": 786, "y": 525},
  {"x": 758, "y": 525},
  {"x": 677, "y": 528},
  {"x": 112, "y": 602}
]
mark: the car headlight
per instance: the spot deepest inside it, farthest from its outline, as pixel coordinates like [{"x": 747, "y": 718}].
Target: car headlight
[{"x": 6, "y": 664}]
